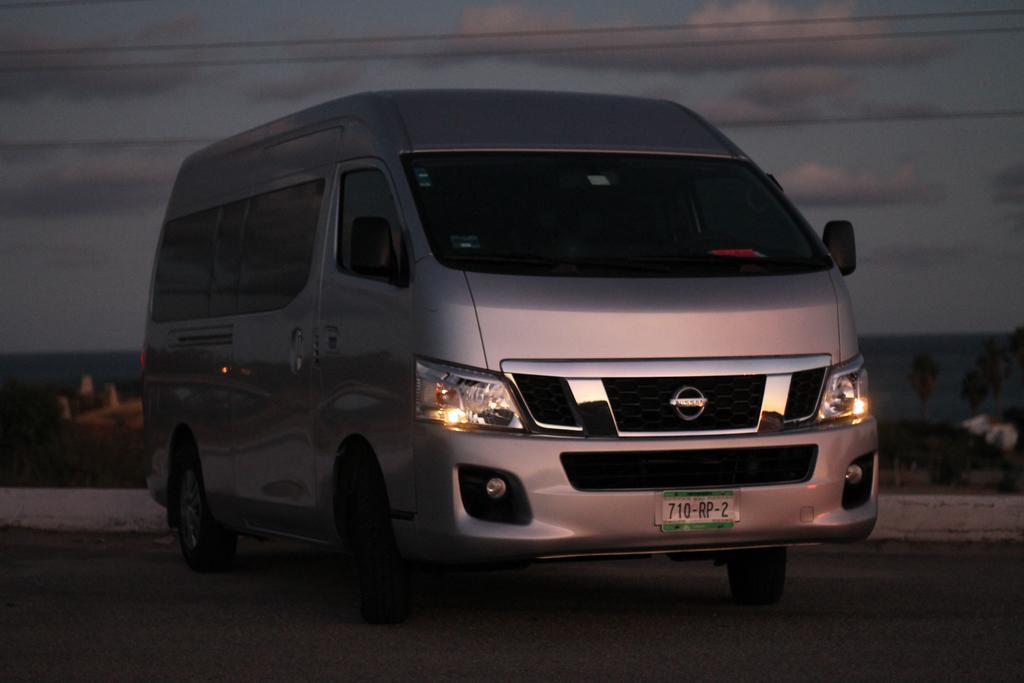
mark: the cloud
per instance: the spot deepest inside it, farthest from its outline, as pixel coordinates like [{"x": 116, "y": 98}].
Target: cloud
[
  {"x": 100, "y": 84},
  {"x": 90, "y": 186},
  {"x": 797, "y": 85},
  {"x": 802, "y": 93},
  {"x": 815, "y": 184},
  {"x": 783, "y": 93},
  {"x": 64, "y": 256},
  {"x": 513, "y": 17},
  {"x": 1008, "y": 185},
  {"x": 734, "y": 57},
  {"x": 723, "y": 111},
  {"x": 921, "y": 255},
  {"x": 175, "y": 28},
  {"x": 312, "y": 81},
  {"x": 1008, "y": 188}
]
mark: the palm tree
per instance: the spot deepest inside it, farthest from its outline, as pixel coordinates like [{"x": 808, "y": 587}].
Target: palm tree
[
  {"x": 1017, "y": 349},
  {"x": 973, "y": 390},
  {"x": 924, "y": 374},
  {"x": 994, "y": 367}
]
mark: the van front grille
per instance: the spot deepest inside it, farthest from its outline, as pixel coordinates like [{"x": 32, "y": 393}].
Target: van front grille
[
  {"x": 689, "y": 469},
  {"x": 642, "y": 404},
  {"x": 804, "y": 390},
  {"x": 547, "y": 399}
]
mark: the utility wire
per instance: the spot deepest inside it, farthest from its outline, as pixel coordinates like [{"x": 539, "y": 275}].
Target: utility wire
[
  {"x": 736, "y": 123},
  {"x": 873, "y": 118},
  {"x": 103, "y": 143},
  {"x": 512, "y": 52},
  {"x": 425, "y": 37},
  {"x": 62, "y": 3}
]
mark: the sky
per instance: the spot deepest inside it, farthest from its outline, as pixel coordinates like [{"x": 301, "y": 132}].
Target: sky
[{"x": 937, "y": 204}]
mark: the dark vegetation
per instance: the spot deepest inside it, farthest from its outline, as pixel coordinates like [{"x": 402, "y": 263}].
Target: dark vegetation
[
  {"x": 40, "y": 448},
  {"x": 949, "y": 453}
]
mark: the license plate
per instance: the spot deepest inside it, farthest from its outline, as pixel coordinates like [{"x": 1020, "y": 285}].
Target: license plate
[{"x": 694, "y": 510}]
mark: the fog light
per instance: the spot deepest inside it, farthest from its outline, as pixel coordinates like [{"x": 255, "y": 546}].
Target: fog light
[
  {"x": 495, "y": 487},
  {"x": 854, "y": 474}
]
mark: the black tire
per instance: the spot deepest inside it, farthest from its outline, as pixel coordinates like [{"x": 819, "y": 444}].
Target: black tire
[
  {"x": 205, "y": 544},
  {"x": 757, "y": 576},
  {"x": 383, "y": 574}
]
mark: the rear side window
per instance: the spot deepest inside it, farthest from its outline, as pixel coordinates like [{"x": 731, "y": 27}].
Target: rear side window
[
  {"x": 227, "y": 260},
  {"x": 364, "y": 194},
  {"x": 277, "y": 248},
  {"x": 183, "y": 271}
]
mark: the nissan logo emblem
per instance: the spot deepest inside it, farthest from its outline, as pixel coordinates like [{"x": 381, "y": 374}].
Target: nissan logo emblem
[{"x": 689, "y": 403}]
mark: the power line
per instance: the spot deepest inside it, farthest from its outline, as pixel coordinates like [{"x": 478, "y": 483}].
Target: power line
[
  {"x": 512, "y": 52},
  {"x": 103, "y": 143},
  {"x": 736, "y": 123},
  {"x": 425, "y": 37},
  {"x": 873, "y": 118},
  {"x": 62, "y": 3}
]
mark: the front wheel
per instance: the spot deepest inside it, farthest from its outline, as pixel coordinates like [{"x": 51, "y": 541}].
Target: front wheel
[
  {"x": 757, "y": 576},
  {"x": 383, "y": 574},
  {"x": 205, "y": 544}
]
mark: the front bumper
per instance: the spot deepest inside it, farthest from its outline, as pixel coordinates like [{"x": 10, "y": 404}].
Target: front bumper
[{"x": 567, "y": 522}]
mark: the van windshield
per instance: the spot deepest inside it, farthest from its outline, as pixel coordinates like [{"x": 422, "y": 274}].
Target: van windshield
[{"x": 607, "y": 215}]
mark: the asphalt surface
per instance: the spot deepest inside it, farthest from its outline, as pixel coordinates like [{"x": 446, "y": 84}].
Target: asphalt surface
[{"x": 125, "y": 607}]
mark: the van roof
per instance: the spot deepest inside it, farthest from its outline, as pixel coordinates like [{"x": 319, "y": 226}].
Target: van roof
[
  {"x": 506, "y": 119},
  {"x": 401, "y": 121}
]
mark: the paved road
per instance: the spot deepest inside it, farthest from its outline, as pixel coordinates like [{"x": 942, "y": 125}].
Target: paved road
[{"x": 122, "y": 607}]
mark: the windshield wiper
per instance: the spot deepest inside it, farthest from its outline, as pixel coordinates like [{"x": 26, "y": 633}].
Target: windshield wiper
[
  {"x": 556, "y": 263},
  {"x": 713, "y": 260},
  {"x": 529, "y": 259},
  {"x": 650, "y": 263}
]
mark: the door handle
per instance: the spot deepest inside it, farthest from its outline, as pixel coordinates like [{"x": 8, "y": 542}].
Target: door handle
[
  {"x": 331, "y": 339},
  {"x": 296, "y": 352}
]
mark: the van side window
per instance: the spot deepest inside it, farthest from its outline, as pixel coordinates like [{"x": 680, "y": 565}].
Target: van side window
[
  {"x": 226, "y": 262},
  {"x": 183, "y": 271},
  {"x": 363, "y": 194},
  {"x": 277, "y": 248}
]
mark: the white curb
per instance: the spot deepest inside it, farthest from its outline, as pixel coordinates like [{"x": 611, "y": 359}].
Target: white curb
[
  {"x": 946, "y": 518},
  {"x": 997, "y": 517},
  {"x": 81, "y": 510}
]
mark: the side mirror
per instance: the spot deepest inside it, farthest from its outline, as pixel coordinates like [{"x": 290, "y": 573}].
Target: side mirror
[
  {"x": 371, "y": 251},
  {"x": 840, "y": 243}
]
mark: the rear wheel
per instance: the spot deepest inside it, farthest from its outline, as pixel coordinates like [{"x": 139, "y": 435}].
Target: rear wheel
[
  {"x": 383, "y": 574},
  {"x": 206, "y": 545},
  {"x": 757, "y": 576}
]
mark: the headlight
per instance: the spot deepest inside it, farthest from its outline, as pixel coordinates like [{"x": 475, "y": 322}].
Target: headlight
[
  {"x": 462, "y": 397},
  {"x": 846, "y": 392}
]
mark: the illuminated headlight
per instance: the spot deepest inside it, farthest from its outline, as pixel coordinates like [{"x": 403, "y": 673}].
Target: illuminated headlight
[
  {"x": 464, "y": 398},
  {"x": 846, "y": 392}
]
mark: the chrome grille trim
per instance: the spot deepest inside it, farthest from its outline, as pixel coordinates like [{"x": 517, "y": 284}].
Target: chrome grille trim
[
  {"x": 575, "y": 429},
  {"x": 776, "y": 369},
  {"x": 698, "y": 367}
]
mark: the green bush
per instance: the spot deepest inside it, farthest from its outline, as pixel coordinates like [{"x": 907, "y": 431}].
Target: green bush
[
  {"x": 30, "y": 429},
  {"x": 948, "y": 453},
  {"x": 38, "y": 448}
]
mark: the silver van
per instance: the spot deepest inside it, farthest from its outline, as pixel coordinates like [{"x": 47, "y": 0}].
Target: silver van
[{"x": 496, "y": 327}]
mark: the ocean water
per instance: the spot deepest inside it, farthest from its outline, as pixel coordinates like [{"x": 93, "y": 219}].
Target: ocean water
[
  {"x": 888, "y": 360},
  {"x": 66, "y": 369}
]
